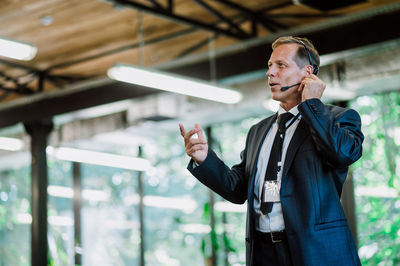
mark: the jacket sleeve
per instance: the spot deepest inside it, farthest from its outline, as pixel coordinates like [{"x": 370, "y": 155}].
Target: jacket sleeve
[
  {"x": 336, "y": 131},
  {"x": 229, "y": 183}
]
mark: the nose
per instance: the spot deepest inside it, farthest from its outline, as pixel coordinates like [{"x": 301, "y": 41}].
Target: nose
[{"x": 270, "y": 71}]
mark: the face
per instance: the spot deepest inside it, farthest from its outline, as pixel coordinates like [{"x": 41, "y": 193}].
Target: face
[{"x": 283, "y": 71}]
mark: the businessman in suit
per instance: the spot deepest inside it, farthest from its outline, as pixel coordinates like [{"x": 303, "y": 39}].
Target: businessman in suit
[{"x": 292, "y": 168}]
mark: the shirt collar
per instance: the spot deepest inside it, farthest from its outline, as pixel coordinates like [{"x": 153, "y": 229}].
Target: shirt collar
[{"x": 294, "y": 111}]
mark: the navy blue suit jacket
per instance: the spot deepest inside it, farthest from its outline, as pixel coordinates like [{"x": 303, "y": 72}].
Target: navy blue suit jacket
[{"x": 327, "y": 140}]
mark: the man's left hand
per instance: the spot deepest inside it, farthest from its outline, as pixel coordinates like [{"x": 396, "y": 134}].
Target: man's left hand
[{"x": 311, "y": 87}]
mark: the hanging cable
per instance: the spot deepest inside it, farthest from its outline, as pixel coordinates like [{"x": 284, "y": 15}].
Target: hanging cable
[
  {"x": 212, "y": 58},
  {"x": 140, "y": 38}
]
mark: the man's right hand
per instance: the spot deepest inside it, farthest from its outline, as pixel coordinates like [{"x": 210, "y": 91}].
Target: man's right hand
[{"x": 196, "y": 148}]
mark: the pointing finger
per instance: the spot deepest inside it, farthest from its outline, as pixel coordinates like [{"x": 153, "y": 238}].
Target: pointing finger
[
  {"x": 182, "y": 129},
  {"x": 199, "y": 131}
]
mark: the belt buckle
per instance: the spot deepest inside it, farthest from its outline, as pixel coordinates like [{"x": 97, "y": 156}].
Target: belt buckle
[{"x": 274, "y": 240}]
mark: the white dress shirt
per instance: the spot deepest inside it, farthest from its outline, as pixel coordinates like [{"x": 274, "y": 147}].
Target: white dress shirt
[{"x": 274, "y": 220}]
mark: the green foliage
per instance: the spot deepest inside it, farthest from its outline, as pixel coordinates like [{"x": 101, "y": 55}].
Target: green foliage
[
  {"x": 14, "y": 202},
  {"x": 166, "y": 242},
  {"x": 377, "y": 183}
]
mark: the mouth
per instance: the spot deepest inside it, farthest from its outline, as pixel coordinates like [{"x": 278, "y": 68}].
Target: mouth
[{"x": 272, "y": 84}]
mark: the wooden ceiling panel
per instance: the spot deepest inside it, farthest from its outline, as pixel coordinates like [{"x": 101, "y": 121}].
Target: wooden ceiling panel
[
  {"x": 84, "y": 38},
  {"x": 153, "y": 54}
]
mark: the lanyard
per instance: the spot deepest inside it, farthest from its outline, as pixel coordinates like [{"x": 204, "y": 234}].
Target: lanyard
[{"x": 282, "y": 138}]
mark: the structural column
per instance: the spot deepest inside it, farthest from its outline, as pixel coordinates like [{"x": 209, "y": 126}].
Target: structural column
[
  {"x": 77, "y": 203},
  {"x": 212, "y": 201},
  {"x": 39, "y": 131},
  {"x": 141, "y": 212}
]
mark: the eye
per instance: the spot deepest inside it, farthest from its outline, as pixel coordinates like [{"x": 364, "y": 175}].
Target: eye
[{"x": 281, "y": 65}]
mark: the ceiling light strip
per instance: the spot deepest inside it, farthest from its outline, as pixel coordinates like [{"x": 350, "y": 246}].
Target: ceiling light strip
[
  {"x": 11, "y": 144},
  {"x": 173, "y": 83},
  {"x": 99, "y": 158},
  {"x": 16, "y": 49}
]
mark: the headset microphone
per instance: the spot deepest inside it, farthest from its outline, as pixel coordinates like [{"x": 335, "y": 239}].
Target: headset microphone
[{"x": 288, "y": 87}]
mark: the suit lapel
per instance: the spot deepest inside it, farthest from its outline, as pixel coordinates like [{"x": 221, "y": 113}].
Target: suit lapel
[
  {"x": 260, "y": 139},
  {"x": 299, "y": 136},
  {"x": 257, "y": 147}
]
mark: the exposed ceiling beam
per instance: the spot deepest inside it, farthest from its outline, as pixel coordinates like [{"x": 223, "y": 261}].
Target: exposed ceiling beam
[
  {"x": 11, "y": 63},
  {"x": 167, "y": 14},
  {"x": 254, "y": 17},
  {"x": 337, "y": 34},
  {"x": 219, "y": 15},
  {"x": 48, "y": 104}
]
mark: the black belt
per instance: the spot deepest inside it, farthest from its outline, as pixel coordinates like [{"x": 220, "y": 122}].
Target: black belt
[{"x": 271, "y": 237}]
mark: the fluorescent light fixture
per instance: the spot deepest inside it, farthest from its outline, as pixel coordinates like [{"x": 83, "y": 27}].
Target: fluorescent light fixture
[
  {"x": 99, "y": 158},
  {"x": 15, "y": 160},
  {"x": 60, "y": 221},
  {"x": 173, "y": 83},
  {"x": 379, "y": 192},
  {"x": 95, "y": 195},
  {"x": 163, "y": 257},
  {"x": 224, "y": 206},
  {"x": 16, "y": 49},
  {"x": 60, "y": 192},
  {"x": 87, "y": 194},
  {"x": 24, "y": 218},
  {"x": 132, "y": 199},
  {"x": 195, "y": 228},
  {"x": 183, "y": 204},
  {"x": 11, "y": 144}
]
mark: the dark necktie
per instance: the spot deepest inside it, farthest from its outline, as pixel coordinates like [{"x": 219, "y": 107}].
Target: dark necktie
[{"x": 275, "y": 159}]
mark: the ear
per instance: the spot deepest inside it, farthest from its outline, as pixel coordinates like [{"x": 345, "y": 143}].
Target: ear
[{"x": 307, "y": 70}]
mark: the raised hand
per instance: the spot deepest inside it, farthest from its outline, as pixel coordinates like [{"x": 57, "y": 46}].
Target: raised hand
[
  {"x": 312, "y": 87},
  {"x": 196, "y": 148}
]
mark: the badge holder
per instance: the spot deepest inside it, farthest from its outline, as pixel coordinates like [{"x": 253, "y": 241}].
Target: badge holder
[{"x": 271, "y": 191}]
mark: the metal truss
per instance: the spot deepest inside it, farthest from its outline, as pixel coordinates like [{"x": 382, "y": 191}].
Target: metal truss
[
  {"x": 22, "y": 84},
  {"x": 234, "y": 30},
  {"x": 10, "y": 84}
]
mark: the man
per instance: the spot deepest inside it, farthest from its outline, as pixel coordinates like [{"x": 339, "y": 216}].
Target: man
[{"x": 291, "y": 172}]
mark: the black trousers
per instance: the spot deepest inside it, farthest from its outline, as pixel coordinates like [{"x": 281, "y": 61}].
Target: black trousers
[{"x": 267, "y": 253}]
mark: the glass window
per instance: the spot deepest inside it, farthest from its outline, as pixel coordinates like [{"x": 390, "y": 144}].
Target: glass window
[
  {"x": 174, "y": 217},
  {"x": 109, "y": 215},
  {"x": 110, "y": 224},
  {"x": 60, "y": 214},
  {"x": 15, "y": 218},
  {"x": 15, "y": 195},
  {"x": 229, "y": 140},
  {"x": 376, "y": 180}
]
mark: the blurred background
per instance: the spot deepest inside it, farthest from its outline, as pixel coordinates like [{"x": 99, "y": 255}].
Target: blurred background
[{"x": 92, "y": 165}]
